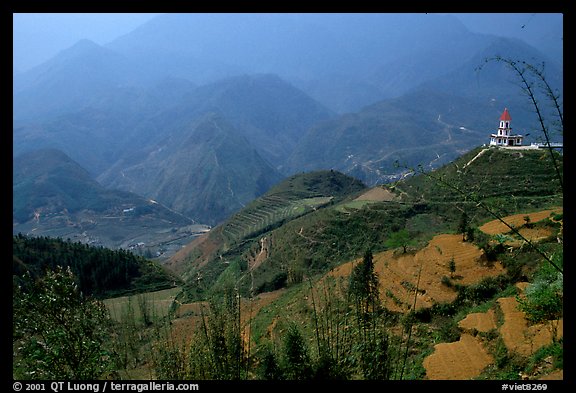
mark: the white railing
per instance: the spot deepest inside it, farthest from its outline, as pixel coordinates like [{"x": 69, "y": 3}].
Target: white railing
[{"x": 552, "y": 144}]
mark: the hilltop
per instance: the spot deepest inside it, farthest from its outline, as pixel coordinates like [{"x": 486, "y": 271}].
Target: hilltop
[
  {"x": 512, "y": 178},
  {"x": 296, "y": 196},
  {"x": 275, "y": 243},
  {"x": 130, "y": 111},
  {"x": 448, "y": 281},
  {"x": 297, "y": 272}
]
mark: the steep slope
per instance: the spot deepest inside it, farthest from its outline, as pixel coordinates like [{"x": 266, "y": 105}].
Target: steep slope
[
  {"x": 489, "y": 173},
  {"x": 111, "y": 124},
  {"x": 434, "y": 122},
  {"x": 345, "y": 69},
  {"x": 495, "y": 83},
  {"x": 121, "y": 128},
  {"x": 297, "y": 196},
  {"x": 50, "y": 181},
  {"x": 273, "y": 250},
  {"x": 206, "y": 171},
  {"x": 269, "y": 112}
]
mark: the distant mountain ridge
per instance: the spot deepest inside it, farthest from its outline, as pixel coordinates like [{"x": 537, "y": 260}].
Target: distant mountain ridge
[
  {"x": 207, "y": 172},
  {"x": 300, "y": 246},
  {"x": 417, "y": 95},
  {"x": 54, "y": 196}
]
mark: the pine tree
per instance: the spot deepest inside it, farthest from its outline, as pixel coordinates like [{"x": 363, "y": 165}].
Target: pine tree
[{"x": 463, "y": 226}]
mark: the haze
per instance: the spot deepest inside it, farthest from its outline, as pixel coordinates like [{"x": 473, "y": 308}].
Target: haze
[
  {"x": 222, "y": 106},
  {"x": 39, "y": 36}
]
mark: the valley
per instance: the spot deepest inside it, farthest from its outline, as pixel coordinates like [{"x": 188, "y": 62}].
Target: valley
[
  {"x": 402, "y": 285},
  {"x": 295, "y": 269},
  {"x": 143, "y": 235},
  {"x": 310, "y": 197}
]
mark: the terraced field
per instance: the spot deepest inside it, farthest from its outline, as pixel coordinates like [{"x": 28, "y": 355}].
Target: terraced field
[
  {"x": 400, "y": 275},
  {"x": 407, "y": 280},
  {"x": 268, "y": 212},
  {"x": 468, "y": 357}
]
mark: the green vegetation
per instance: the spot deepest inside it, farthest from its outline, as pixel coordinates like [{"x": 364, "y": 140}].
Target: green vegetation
[
  {"x": 318, "y": 327},
  {"x": 58, "y": 333},
  {"x": 293, "y": 197},
  {"x": 528, "y": 181},
  {"x": 322, "y": 327},
  {"x": 99, "y": 271},
  {"x": 545, "y": 295},
  {"x": 399, "y": 239}
]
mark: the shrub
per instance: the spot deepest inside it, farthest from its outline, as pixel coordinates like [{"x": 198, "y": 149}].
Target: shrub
[
  {"x": 296, "y": 360},
  {"x": 59, "y": 333}
]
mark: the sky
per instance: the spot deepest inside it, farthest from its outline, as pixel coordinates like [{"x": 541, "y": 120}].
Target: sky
[{"x": 38, "y": 37}]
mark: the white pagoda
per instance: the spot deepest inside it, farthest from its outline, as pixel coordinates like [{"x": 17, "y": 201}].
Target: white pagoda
[{"x": 504, "y": 136}]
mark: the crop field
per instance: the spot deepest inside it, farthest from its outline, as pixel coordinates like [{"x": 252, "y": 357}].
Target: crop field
[
  {"x": 267, "y": 212},
  {"x": 157, "y": 304}
]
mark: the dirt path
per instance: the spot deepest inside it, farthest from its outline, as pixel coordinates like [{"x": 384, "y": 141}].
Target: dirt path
[
  {"x": 475, "y": 157},
  {"x": 254, "y": 262}
]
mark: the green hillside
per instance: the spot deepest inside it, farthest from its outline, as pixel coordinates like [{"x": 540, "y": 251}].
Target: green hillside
[
  {"x": 511, "y": 179},
  {"x": 291, "y": 198},
  {"x": 100, "y": 271},
  {"x": 273, "y": 243},
  {"x": 289, "y": 301},
  {"x": 297, "y": 196}
]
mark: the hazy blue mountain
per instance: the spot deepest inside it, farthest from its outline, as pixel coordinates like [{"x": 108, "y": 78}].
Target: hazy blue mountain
[
  {"x": 122, "y": 128},
  {"x": 68, "y": 81},
  {"x": 207, "y": 171},
  {"x": 423, "y": 127},
  {"x": 408, "y": 83},
  {"x": 433, "y": 122},
  {"x": 495, "y": 83},
  {"x": 269, "y": 112},
  {"x": 345, "y": 61},
  {"x": 50, "y": 183},
  {"x": 117, "y": 123},
  {"x": 444, "y": 56},
  {"x": 342, "y": 60}
]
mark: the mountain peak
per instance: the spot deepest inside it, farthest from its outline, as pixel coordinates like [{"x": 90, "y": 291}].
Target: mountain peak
[{"x": 80, "y": 48}]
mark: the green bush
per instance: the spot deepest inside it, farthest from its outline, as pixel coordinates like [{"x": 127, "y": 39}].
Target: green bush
[{"x": 58, "y": 332}]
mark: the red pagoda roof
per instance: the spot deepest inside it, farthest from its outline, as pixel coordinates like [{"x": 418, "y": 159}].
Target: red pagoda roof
[{"x": 505, "y": 115}]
